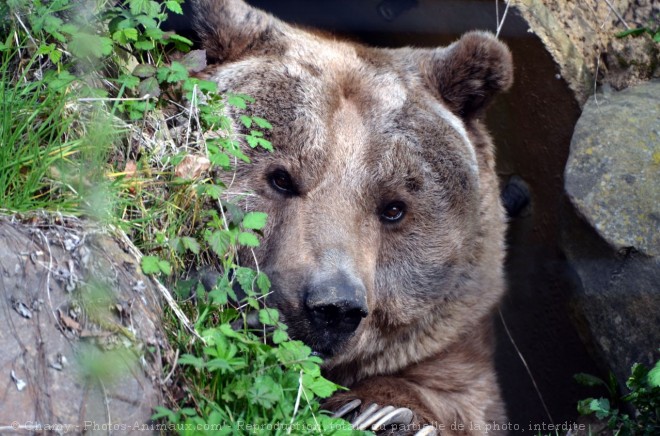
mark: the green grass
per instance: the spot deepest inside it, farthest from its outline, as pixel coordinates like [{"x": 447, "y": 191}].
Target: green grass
[{"x": 35, "y": 138}]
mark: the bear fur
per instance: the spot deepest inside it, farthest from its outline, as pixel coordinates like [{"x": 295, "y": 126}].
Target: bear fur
[{"x": 384, "y": 242}]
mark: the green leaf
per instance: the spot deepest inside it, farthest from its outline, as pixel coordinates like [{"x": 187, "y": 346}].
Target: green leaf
[
  {"x": 320, "y": 386},
  {"x": 252, "y": 141},
  {"x": 219, "y": 242},
  {"x": 638, "y": 375},
  {"x": 61, "y": 81},
  {"x": 88, "y": 45},
  {"x": 236, "y": 101},
  {"x": 184, "y": 288},
  {"x": 268, "y": 316},
  {"x": 174, "y": 7},
  {"x": 123, "y": 36},
  {"x": 220, "y": 159},
  {"x": 69, "y": 28},
  {"x": 601, "y": 406},
  {"x": 151, "y": 25},
  {"x": 220, "y": 365},
  {"x": 144, "y": 71},
  {"x": 128, "y": 81},
  {"x": 149, "y": 86},
  {"x": 248, "y": 239},
  {"x": 245, "y": 277},
  {"x": 219, "y": 296},
  {"x": 262, "y": 123},
  {"x": 189, "y": 411},
  {"x": 255, "y": 220},
  {"x": 654, "y": 375},
  {"x": 162, "y": 412},
  {"x": 165, "y": 267},
  {"x": 247, "y": 121},
  {"x": 188, "y": 359},
  {"x": 144, "y": 45},
  {"x": 180, "y": 43},
  {"x": 279, "y": 336},
  {"x": 176, "y": 72},
  {"x": 634, "y": 32},
  {"x": 226, "y": 330},
  {"x": 588, "y": 380},
  {"x": 263, "y": 282},
  {"x": 190, "y": 244},
  {"x": 150, "y": 264},
  {"x": 235, "y": 213},
  {"x": 213, "y": 191},
  {"x": 139, "y": 6},
  {"x": 265, "y": 392},
  {"x": 194, "y": 61},
  {"x": 55, "y": 56}
]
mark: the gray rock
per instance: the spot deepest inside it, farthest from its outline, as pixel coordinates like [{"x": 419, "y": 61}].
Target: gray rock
[
  {"x": 613, "y": 181},
  {"x": 613, "y": 171},
  {"x": 87, "y": 359}
]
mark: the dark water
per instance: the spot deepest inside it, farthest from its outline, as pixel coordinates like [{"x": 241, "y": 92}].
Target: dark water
[{"x": 532, "y": 126}]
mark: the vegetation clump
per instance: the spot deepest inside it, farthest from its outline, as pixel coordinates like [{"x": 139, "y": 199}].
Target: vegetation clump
[
  {"x": 643, "y": 398},
  {"x": 102, "y": 117}
]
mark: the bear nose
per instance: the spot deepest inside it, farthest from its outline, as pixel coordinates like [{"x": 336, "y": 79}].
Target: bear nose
[{"x": 338, "y": 304}]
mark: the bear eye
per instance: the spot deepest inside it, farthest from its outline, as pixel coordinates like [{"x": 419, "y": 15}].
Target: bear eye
[
  {"x": 281, "y": 181},
  {"x": 393, "y": 212}
]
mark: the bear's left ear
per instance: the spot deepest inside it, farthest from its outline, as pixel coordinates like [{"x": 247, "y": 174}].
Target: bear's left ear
[{"x": 469, "y": 72}]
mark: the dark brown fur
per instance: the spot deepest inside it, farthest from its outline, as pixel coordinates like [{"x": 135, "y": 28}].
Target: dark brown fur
[{"x": 358, "y": 128}]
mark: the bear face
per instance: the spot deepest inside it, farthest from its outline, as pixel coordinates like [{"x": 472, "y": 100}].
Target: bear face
[{"x": 384, "y": 242}]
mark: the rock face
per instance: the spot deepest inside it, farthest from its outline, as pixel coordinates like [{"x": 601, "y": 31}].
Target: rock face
[
  {"x": 580, "y": 37},
  {"x": 613, "y": 172},
  {"x": 80, "y": 330},
  {"x": 613, "y": 180}
]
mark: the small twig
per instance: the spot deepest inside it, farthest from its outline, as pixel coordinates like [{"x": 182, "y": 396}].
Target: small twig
[
  {"x": 313, "y": 415},
  {"x": 86, "y": 99},
  {"x": 596, "y": 79},
  {"x": 107, "y": 405},
  {"x": 258, "y": 298},
  {"x": 27, "y": 31},
  {"x": 499, "y": 27},
  {"x": 617, "y": 14},
  {"x": 174, "y": 365},
  {"x": 49, "y": 269},
  {"x": 163, "y": 290},
  {"x": 193, "y": 106},
  {"x": 524, "y": 362},
  {"x": 295, "y": 406}
]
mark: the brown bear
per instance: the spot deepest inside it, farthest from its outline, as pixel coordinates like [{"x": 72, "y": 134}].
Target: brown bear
[{"x": 384, "y": 241}]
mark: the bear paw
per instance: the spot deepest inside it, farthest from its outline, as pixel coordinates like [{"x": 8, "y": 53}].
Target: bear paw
[{"x": 379, "y": 418}]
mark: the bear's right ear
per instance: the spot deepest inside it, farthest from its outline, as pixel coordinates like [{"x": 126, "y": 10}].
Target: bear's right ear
[
  {"x": 231, "y": 29},
  {"x": 471, "y": 71}
]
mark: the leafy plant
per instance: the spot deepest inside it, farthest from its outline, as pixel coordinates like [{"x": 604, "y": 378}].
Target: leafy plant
[
  {"x": 83, "y": 95},
  {"x": 644, "y": 397}
]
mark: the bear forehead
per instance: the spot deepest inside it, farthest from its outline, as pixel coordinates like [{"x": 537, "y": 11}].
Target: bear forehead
[{"x": 352, "y": 105}]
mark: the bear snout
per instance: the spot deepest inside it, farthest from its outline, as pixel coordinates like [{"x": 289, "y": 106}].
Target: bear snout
[{"x": 335, "y": 306}]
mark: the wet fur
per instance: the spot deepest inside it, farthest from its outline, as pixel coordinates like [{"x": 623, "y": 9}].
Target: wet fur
[{"x": 357, "y": 127}]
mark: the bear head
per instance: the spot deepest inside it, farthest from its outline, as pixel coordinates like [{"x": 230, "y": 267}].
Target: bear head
[{"x": 384, "y": 241}]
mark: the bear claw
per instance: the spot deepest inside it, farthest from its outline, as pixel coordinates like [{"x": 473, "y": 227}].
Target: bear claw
[
  {"x": 347, "y": 408},
  {"x": 379, "y": 418}
]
